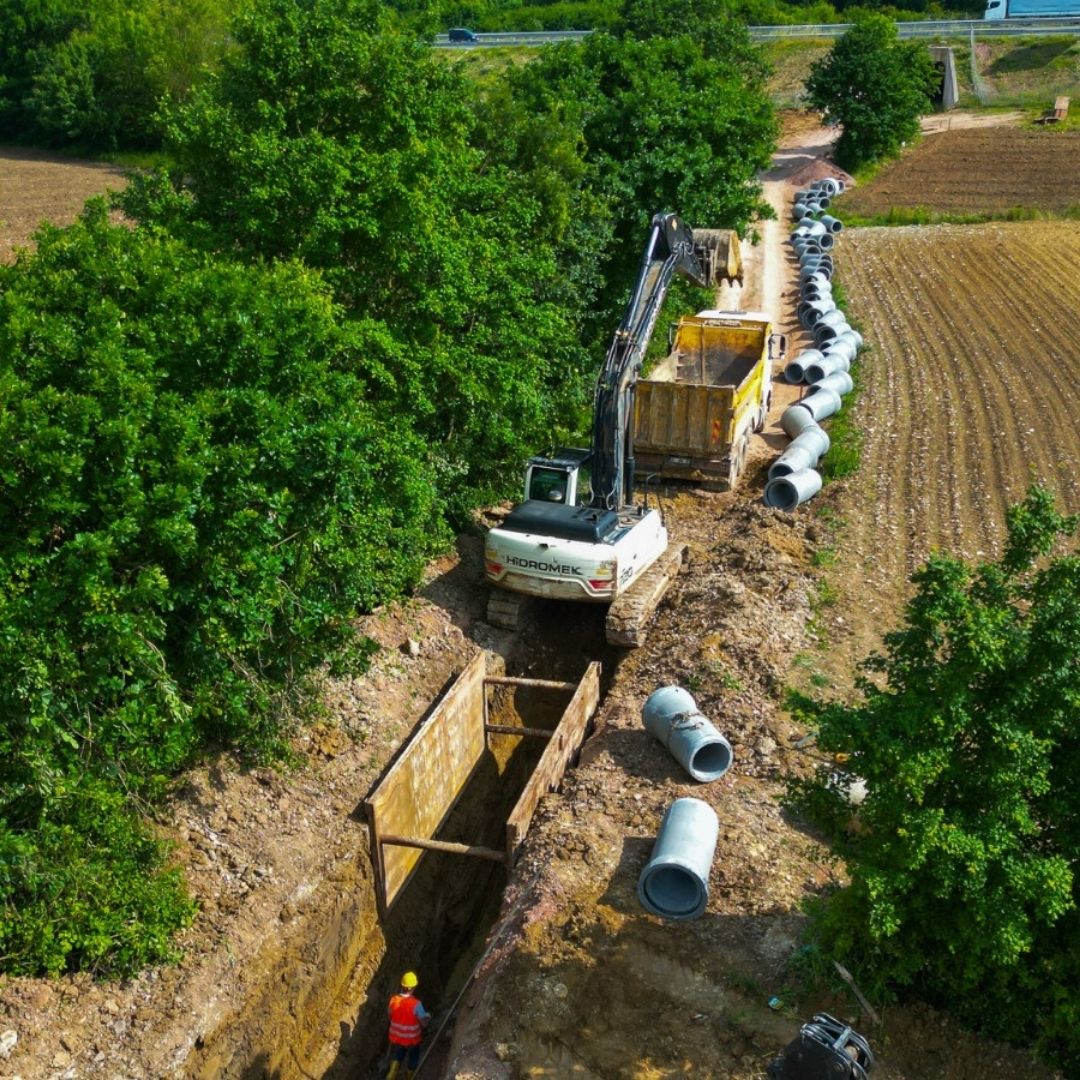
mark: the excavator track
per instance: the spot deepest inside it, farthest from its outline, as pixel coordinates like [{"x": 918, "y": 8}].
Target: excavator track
[{"x": 628, "y": 617}]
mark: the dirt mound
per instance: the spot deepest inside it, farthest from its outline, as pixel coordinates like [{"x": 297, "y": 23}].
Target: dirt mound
[{"x": 820, "y": 169}]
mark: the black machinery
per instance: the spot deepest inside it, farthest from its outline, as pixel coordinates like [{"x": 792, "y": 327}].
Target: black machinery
[{"x": 826, "y": 1049}]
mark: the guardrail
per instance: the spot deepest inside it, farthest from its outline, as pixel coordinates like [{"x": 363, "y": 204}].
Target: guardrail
[{"x": 942, "y": 28}]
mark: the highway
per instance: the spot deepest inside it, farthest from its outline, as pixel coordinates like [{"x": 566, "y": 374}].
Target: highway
[{"x": 944, "y": 29}]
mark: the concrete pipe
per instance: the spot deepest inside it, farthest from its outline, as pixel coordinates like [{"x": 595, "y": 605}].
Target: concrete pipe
[
  {"x": 820, "y": 406},
  {"x": 816, "y": 290},
  {"x": 804, "y": 452},
  {"x": 858, "y": 338},
  {"x": 839, "y": 382},
  {"x": 795, "y": 420},
  {"x": 814, "y": 265},
  {"x": 821, "y": 369},
  {"x": 675, "y": 881},
  {"x": 843, "y": 345},
  {"x": 817, "y": 281},
  {"x": 673, "y": 717},
  {"x": 837, "y": 359},
  {"x": 827, "y": 184},
  {"x": 826, "y": 240},
  {"x": 795, "y": 371},
  {"x": 826, "y": 332},
  {"x": 834, "y": 225},
  {"x": 811, "y": 312},
  {"x": 818, "y": 230},
  {"x": 798, "y": 211},
  {"x": 834, "y": 316},
  {"x": 823, "y": 201},
  {"x": 788, "y": 492}
]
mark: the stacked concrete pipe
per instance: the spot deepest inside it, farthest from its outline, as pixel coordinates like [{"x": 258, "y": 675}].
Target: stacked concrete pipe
[{"x": 793, "y": 477}]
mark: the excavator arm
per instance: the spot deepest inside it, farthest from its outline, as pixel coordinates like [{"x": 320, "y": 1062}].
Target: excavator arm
[{"x": 670, "y": 250}]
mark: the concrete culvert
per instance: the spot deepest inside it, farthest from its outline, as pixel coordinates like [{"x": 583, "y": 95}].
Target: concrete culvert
[
  {"x": 795, "y": 419},
  {"x": 795, "y": 371},
  {"x": 804, "y": 452},
  {"x": 675, "y": 881},
  {"x": 829, "y": 364},
  {"x": 834, "y": 225},
  {"x": 820, "y": 405},
  {"x": 673, "y": 717},
  {"x": 827, "y": 331},
  {"x": 837, "y": 381},
  {"x": 825, "y": 240},
  {"x": 788, "y": 492}
]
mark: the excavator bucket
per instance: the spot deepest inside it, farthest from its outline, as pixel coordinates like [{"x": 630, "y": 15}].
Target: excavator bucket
[{"x": 720, "y": 255}]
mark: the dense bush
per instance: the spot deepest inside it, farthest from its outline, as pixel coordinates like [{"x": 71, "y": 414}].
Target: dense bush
[
  {"x": 963, "y": 856},
  {"x": 195, "y": 497}
]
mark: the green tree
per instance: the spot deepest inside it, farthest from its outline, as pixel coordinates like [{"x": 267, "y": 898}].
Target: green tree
[
  {"x": 652, "y": 116},
  {"x": 196, "y": 498},
  {"x": 963, "y": 856},
  {"x": 875, "y": 86},
  {"x": 333, "y": 138}
]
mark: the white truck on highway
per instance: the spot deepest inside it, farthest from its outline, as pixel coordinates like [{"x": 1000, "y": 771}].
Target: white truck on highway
[{"x": 1032, "y": 9}]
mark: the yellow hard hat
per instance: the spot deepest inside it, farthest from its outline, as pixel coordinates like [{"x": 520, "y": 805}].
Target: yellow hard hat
[{"x": 409, "y": 980}]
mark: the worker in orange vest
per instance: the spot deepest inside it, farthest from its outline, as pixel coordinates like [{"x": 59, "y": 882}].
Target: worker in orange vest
[{"x": 408, "y": 1018}]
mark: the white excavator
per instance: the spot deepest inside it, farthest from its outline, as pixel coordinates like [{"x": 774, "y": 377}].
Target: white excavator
[{"x": 579, "y": 534}]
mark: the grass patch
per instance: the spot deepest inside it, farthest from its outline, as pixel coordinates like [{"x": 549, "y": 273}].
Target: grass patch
[
  {"x": 845, "y": 438},
  {"x": 924, "y": 215}
]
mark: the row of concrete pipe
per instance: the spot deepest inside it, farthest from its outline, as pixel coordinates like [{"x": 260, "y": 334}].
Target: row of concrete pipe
[
  {"x": 675, "y": 881},
  {"x": 793, "y": 477}
]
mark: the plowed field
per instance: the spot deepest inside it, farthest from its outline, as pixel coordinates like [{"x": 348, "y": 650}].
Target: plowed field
[
  {"x": 977, "y": 171},
  {"x": 971, "y": 391}
]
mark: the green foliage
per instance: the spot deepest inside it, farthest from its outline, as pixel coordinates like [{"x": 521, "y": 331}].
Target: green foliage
[
  {"x": 332, "y": 138},
  {"x": 874, "y": 85},
  {"x": 88, "y": 888},
  {"x": 964, "y": 853},
  {"x": 92, "y": 75},
  {"x": 195, "y": 499},
  {"x": 641, "y": 120}
]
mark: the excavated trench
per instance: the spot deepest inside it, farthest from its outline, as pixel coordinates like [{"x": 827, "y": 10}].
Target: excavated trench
[{"x": 321, "y": 1008}]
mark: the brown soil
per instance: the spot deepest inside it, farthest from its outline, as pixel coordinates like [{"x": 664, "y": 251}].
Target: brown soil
[
  {"x": 287, "y": 968},
  {"x": 969, "y": 393},
  {"x": 35, "y": 186},
  {"x": 978, "y": 171}
]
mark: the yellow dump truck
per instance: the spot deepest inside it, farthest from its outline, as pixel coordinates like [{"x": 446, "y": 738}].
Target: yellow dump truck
[{"x": 695, "y": 413}]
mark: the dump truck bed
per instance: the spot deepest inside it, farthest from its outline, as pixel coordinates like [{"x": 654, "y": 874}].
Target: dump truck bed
[{"x": 694, "y": 413}]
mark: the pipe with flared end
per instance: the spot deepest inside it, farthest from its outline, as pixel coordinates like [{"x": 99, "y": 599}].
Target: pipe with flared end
[
  {"x": 787, "y": 492},
  {"x": 834, "y": 225},
  {"x": 795, "y": 420},
  {"x": 821, "y": 369},
  {"x": 819, "y": 406},
  {"x": 674, "y": 718},
  {"x": 675, "y": 881},
  {"x": 842, "y": 345},
  {"x": 795, "y": 371},
  {"x": 827, "y": 332},
  {"x": 838, "y": 381},
  {"x": 804, "y": 452}
]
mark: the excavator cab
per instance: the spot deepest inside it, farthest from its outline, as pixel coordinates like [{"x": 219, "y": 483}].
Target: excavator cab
[{"x": 562, "y": 478}]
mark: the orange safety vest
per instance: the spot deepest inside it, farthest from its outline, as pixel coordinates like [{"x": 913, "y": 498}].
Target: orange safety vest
[{"x": 405, "y": 1029}]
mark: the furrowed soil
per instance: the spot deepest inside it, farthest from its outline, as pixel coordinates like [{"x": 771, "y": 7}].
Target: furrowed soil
[
  {"x": 287, "y": 968},
  {"x": 978, "y": 171}
]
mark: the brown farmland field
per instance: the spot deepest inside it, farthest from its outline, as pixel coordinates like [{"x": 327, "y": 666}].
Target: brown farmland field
[
  {"x": 981, "y": 170},
  {"x": 970, "y": 391}
]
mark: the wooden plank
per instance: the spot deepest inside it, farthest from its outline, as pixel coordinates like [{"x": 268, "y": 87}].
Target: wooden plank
[
  {"x": 446, "y": 846},
  {"x": 512, "y": 729},
  {"x": 415, "y": 797},
  {"x": 566, "y": 740},
  {"x": 509, "y": 680}
]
